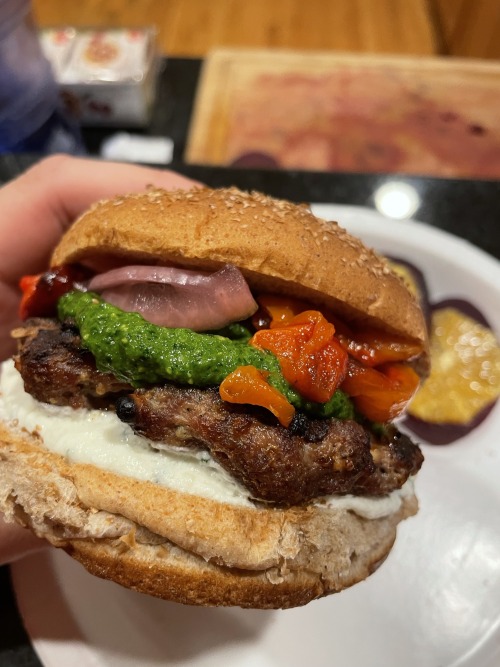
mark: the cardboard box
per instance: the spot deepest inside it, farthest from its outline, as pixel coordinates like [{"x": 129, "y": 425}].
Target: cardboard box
[{"x": 107, "y": 77}]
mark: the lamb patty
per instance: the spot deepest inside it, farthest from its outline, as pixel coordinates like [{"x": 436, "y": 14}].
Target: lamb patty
[
  {"x": 284, "y": 466},
  {"x": 56, "y": 369},
  {"x": 276, "y": 464}
]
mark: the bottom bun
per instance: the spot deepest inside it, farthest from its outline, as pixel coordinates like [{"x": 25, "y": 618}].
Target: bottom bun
[{"x": 182, "y": 547}]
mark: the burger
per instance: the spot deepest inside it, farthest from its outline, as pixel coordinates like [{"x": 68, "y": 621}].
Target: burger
[{"x": 202, "y": 403}]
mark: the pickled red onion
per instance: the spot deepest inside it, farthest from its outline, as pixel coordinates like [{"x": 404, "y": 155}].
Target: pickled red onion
[{"x": 174, "y": 297}]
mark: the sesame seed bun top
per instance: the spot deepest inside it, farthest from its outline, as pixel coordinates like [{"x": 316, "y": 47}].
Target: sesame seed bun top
[{"x": 280, "y": 247}]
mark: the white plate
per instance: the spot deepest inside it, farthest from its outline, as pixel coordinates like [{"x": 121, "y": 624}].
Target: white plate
[{"x": 434, "y": 603}]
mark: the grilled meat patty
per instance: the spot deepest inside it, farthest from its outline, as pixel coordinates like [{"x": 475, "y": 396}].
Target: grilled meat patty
[
  {"x": 56, "y": 369},
  {"x": 285, "y": 466},
  {"x": 270, "y": 461}
]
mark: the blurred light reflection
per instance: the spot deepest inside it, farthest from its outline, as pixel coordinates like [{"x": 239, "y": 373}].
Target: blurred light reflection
[{"x": 397, "y": 200}]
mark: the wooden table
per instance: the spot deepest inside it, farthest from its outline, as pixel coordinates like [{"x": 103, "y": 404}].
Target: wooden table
[{"x": 194, "y": 27}]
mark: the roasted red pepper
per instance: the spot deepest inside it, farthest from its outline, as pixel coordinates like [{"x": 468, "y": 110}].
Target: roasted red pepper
[
  {"x": 380, "y": 394},
  {"x": 311, "y": 358},
  {"x": 276, "y": 311},
  {"x": 316, "y": 362},
  {"x": 248, "y": 384},
  {"x": 28, "y": 287},
  {"x": 42, "y": 292},
  {"x": 374, "y": 347}
]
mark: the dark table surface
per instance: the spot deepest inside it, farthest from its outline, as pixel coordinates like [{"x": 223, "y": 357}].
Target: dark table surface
[{"x": 469, "y": 209}]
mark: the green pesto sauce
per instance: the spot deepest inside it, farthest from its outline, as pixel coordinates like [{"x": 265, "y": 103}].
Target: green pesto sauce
[{"x": 142, "y": 353}]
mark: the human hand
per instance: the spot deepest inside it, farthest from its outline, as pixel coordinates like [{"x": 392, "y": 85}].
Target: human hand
[
  {"x": 35, "y": 209},
  {"x": 38, "y": 206}
]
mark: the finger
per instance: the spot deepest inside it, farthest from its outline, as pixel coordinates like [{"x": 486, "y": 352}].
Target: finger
[
  {"x": 9, "y": 300},
  {"x": 39, "y": 205}
]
